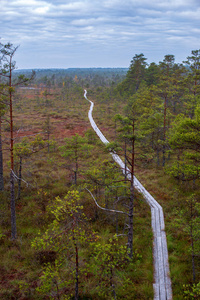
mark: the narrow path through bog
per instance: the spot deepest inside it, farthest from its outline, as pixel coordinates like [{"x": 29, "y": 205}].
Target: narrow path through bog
[{"x": 162, "y": 282}]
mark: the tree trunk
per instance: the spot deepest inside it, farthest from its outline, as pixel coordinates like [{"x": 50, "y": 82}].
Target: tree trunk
[
  {"x": 125, "y": 162},
  {"x": 130, "y": 231},
  {"x": 1, "y": 162},
  {"x": 112, "y": 284},
  {"x": 12, "y": 207},
  {"x": 192, "y": 241},
  {"x": 164, "y": 130},
  {"x": 158, "y": 157},
  {"x": 193, "y": 255},
  {"x": 193, "y": 263},
  {"x": 20, "y": 178},
  {"x": 12, "y": 183},
  {"x": 77, "y": 269},
  {"x": 48, "y": 132},
  {"x": 48, "y": 140},
  {"x": 76, "y": 168}
]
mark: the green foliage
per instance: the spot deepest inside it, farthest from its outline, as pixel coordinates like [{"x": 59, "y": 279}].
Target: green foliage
[
  {"x": 191, "y": 291},
  {"x": 75, "y": 149},
  {"x": 2, "y": 236},
  {"x": 67, "y": 233},
  {"x": 23, "y": 149},
  {"x": 193, "y": 63},
  {"x": 135, "y": 74},
  {"x": 91, "y": 137},
  {"x": 52, "y": 283},
  {"x": 185, "y": 137},
  {"x": 26, "y": 147},
  {"x": 188, "y": 219},
  {"x": 68, "y": 223},
  {"x": 3, "y": 107},
  {"x": 109, "y": 260},
  {"x": 107, "y": 179}
]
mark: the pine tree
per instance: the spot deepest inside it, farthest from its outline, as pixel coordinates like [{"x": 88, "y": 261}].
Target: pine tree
[
  {"x": 6, "y": 72},
  {"x": 193, "y": 80},
  {"x": 185, "y": 138},
  {"x": 66, "y": 235},
  {"x": 74, "y": 149},
  {"x": 135, "y": 75}
]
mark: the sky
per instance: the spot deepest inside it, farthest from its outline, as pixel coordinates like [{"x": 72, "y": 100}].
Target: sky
[{"x": 98, "y": 33}]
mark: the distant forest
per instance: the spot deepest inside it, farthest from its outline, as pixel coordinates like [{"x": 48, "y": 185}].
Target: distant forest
[{"x": 102, "y": 76}]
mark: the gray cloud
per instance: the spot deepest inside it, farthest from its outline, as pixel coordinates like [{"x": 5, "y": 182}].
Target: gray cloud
[{"x": 98, "y": 33}]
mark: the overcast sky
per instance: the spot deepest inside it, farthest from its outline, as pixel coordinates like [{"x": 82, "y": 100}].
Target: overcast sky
[{"x": 98, "y": 33}]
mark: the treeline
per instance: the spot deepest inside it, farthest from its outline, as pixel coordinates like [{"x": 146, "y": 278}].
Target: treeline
[
  {"x": 83, "y": 76},
  {"x": 158, "y": 98}
]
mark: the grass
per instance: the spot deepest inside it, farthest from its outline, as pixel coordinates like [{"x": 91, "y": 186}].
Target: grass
[{"x": 48, "y": 177}]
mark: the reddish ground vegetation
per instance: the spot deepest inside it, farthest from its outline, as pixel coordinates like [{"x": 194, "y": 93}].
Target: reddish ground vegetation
[{"x": 60, "y": 129}]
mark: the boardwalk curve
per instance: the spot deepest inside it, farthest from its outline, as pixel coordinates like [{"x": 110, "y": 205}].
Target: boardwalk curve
[{"x": 162, "y": 282}]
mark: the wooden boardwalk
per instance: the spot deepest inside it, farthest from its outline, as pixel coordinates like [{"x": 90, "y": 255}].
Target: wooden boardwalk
[{"x": 162, "y": 282}]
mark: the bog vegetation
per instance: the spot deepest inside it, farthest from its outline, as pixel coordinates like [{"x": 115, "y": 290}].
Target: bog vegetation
[{"x": 55, "y": 242}]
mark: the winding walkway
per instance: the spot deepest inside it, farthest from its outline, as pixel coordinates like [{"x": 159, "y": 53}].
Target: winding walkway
[{"x": 162, "y": 282}]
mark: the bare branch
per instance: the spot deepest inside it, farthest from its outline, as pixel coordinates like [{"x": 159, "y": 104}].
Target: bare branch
[
  {"x": 106, "y": 209},
  {"x": 15, "y": 176}
]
